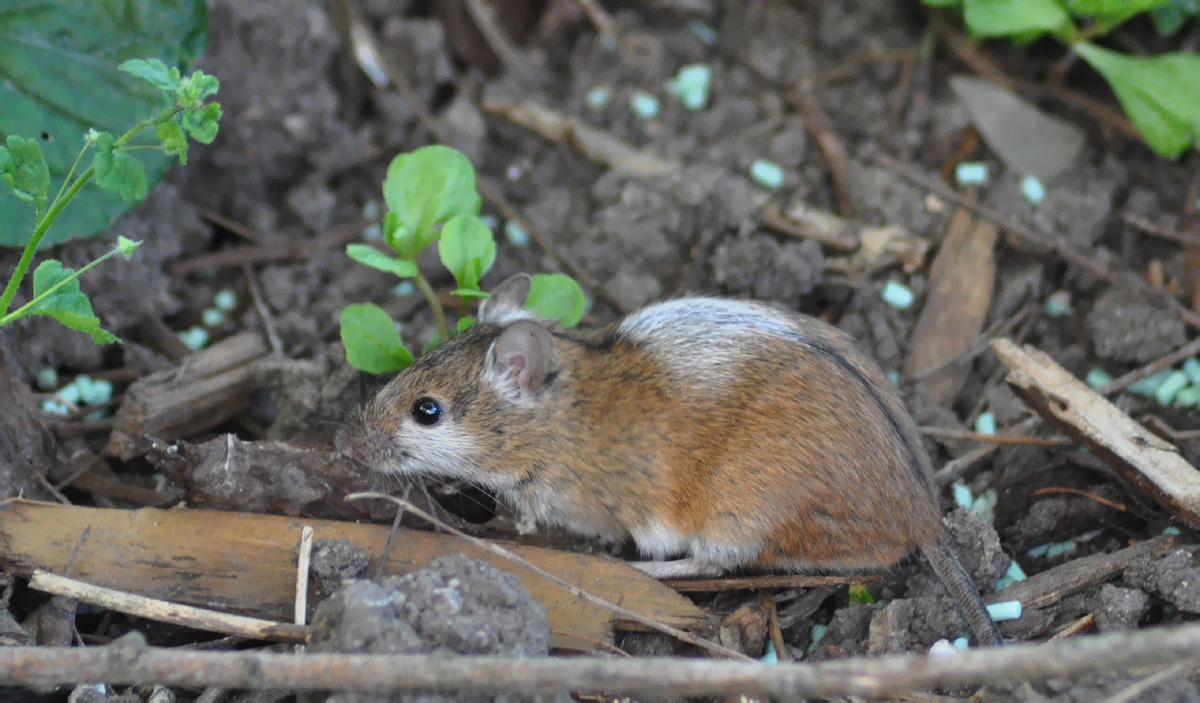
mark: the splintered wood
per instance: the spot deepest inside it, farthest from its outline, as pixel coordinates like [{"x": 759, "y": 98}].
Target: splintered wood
[
  {"x": 961, "y": 281},
  {"x": 207, "y": 388},
  {"x": 242, "y": 563},
  {"x": 1152, "y": 464}
]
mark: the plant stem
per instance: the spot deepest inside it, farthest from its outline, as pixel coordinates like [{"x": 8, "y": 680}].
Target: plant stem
[
  {"x": 435, "y": 303},
  {"x": 20, "y": 312}
]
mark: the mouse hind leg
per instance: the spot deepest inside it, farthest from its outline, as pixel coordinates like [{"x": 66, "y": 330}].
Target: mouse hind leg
[{"x": 677, "y": 569}]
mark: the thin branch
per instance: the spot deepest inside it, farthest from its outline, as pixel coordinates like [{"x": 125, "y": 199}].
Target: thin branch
[
  {"x": 303, "y": 562},
  {"x": 994, "y": 438},
  {"x": 264, "y": 313},
  {"x": 125, "y": 663},
  {"x": 162, "y": 611},
  {"x": 574, "y": 590},
  {"x": 514, "y": 60}
]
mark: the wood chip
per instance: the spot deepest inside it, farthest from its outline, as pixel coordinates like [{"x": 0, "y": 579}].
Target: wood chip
[
  {"x": 1141, "y": 457},
  {"x": 242, "y": 563},
  {"x": 1052, "y": 585},
  {"x": 962, "y": 278},
  {"x": 207, "y": 388}
]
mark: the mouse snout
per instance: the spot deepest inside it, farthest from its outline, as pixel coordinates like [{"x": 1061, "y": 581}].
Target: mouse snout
[{"x": 362, "y": 444}]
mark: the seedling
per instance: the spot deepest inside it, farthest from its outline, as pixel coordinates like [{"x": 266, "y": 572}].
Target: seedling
[
  {"x": 56, "y": 290},
  {"x": 1161, "y": 94},
  {"x": 431, "y": 197}
]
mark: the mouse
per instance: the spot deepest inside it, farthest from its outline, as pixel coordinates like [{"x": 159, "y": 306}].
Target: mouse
[{"x": 720, "y": 435}]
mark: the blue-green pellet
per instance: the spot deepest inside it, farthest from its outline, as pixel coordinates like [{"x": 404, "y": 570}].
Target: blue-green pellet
[
  {"x": 195, "y": 338},
  {"x": 598, "y": 97},
  {"x": 212, "y": 317},
  {"x": 1171, "y": 531},
  {"x": 372, "y": 231},
  {"x": 1098, "y": 377},
  {"x": 1149, "y": 386},
  {"x": 1008, "y": 610},
  {"x": 703, "y": 32},
  {"x": 1058, "y": 304},
  {"x": 961, "y": 644},
  {"x": 1188, "y": 397},
  {"x": 55, "y": 407},
  {"x": 897, "y": 295},
  {"x": 985, "y": 506},
  {"x": 370, "y": 210},
  {"x": 962, "y": 496},
  {"x": 1033, "y": 190},
  {"x": 47, "y": 378},
  {"x": 1057, "y": 549},
  {"x": 692, "y": 85},
  {"x": 515, "y": 234},
  {"x": 68, "y": 393},
  {"x": 94, "y": 391},
  {"x": 404, "y": 288},
  {"x": 1039, "y": 551},
  {"x": 767, "y": 174},
  {"x": 644, "y": 105},
  {"x": 1192, "y": 368},
  {"x": 985, "y": 423},
  {"x": 491, "y": 221},
  {"x": 815, "y": 635},
  {"x": 971, "y": 173},
  {"x": 770, "y": 657},
  {"x": 1171, "y": 386},
  {"x": 225, "y": 300}
]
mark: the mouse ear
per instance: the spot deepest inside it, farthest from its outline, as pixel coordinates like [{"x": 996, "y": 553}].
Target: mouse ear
[
  {"x": 520, "y": 361},
  {"x": 506, "y": 300}
]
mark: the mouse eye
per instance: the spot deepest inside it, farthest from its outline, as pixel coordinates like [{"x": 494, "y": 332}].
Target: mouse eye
[{"x": 426, "y": 411}]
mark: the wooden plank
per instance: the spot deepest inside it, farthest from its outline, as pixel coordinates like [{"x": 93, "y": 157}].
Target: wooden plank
[{"x": 242, "y": 563}]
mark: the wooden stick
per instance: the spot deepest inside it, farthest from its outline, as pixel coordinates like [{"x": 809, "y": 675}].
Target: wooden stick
[
  {"x": 302, "y": 567},
  {"x": 503, "y": 553},
  {"x": 128, "y": 661},
  {"x": 162, "y": 611},
  {"x": 993, "y": 438}
]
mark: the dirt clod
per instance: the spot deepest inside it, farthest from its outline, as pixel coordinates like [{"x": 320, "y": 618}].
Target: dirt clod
[{"x": 1128, "y": 328}]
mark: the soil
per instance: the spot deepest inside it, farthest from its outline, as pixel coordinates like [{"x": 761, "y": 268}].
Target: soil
[{"x": 304, "y": 145}]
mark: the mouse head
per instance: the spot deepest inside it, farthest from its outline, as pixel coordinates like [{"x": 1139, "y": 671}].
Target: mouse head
[{"x": 457, "y": 410}]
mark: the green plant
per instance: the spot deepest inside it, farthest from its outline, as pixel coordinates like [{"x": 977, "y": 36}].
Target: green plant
[
  {"x": 56, "y": 290},
  {"x": 431, "y": 197},
  {"x": 1161, "y": 94},
  {"x": 60, "y": 78}
]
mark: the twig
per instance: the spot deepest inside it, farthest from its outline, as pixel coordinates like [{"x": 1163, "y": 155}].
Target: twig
[
  {"x": 303, "y": 562},
  {"x": 1134, "y": 691},
  {"x": 856, "y": 61},
  {"x": 994, "y": 438},
  {"x": 781, "y": 650},
  {"x": 1075, "y": 491},
  {"x": 750, "y": 583},
  {"x": 362, "y": 39},
  {"x": 126, "y": 663},
  {"x": 1098, "y": 270},
  {"x": 264, "y": 314},
  {"x": 258, "y": 254},
  {"x": 237, "y": 228},
  {"x": 391, "y": 540},
  {"x": 1149, "y": 227},
  {"x": 821, "y": 127},
  {"x": 514, "y": 60},
  {"x": 87, "y": 531},
  {"x": 162, "y": 611},
  {"x": 575, "y": 590},
  {"x": 599, "y": 18}
]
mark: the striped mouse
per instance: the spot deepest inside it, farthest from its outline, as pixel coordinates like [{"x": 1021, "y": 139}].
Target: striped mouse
[{"x": 719, "y": 435}]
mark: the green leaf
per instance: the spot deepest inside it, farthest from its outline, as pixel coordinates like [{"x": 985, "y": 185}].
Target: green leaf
[
  {"x": 370, "y": 256},
  {"x": 859, "y": 594},
  {"x": 1000, "y": 18},
  {"x": 201, "y": 123},
  {"x": 153, "y": 71},
  {"x": 469, "y": 293},
  {"x": 197, "y": 87},
  {"x": 1160, "y": 94},
  {"x": 127, "y": 247},
  {"x": 118, "y": 171},
  {"x": 174, "y": 141},
  {"x": 557, "y": 297},
  {"x": 67, "y": 304},
  {"x": 467, "y": 249},
  {"x": 943, "y": 3},
  {"x": 59, "y": 76},
  {"x": 426, "y": 188},
  {"x": 464, "y": 324},
  {"x": 24, "y": 169},
  {"x": 372, "y": 341},
  {"x": 1111, "y": 13}
]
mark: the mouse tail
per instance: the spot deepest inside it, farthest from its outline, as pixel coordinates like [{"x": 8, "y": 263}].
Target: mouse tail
[{"x": 940, "y": 556}]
